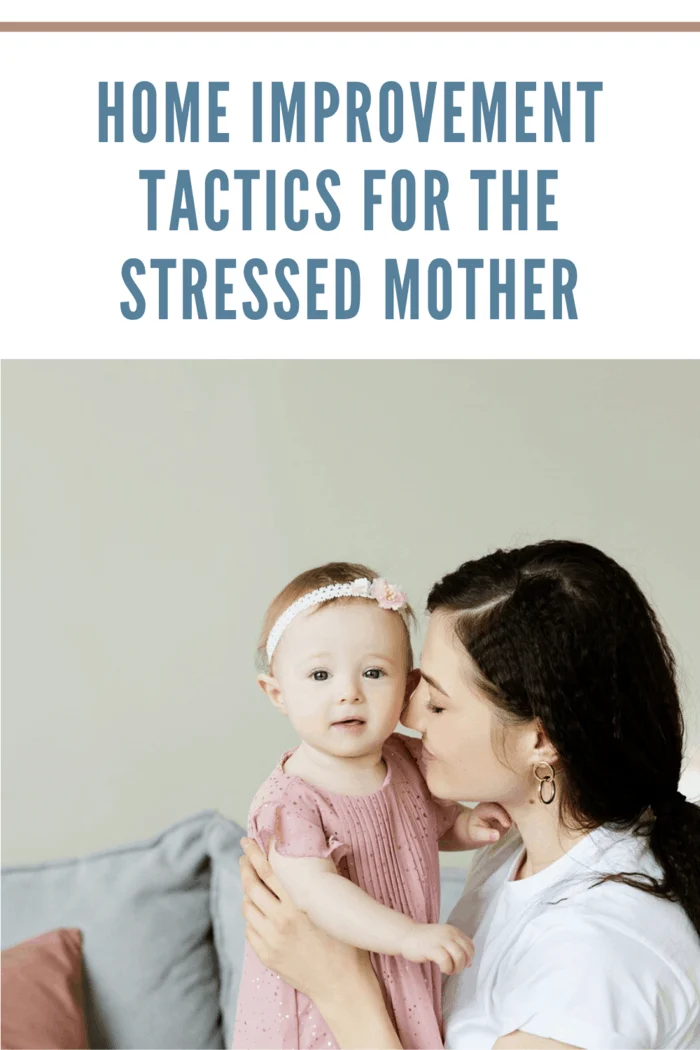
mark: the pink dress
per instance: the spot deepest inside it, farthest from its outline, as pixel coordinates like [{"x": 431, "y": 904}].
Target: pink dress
[{"x": 387, "y": 843}]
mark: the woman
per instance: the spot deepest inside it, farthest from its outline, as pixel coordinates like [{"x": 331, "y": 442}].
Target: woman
[{"x": 547, "y": 685}]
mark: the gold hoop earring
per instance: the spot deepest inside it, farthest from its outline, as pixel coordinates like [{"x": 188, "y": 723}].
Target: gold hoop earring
[{"x": 546, "y": 778}]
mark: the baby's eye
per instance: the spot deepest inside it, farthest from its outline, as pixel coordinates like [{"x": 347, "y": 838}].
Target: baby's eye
[
  {"x": 374, "y": 672},
  {"x": 319, "y": 676}
]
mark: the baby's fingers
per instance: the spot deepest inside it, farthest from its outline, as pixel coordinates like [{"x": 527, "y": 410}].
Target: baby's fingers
[
  {"x": 493, "y": 814},
  {"x": 460, "y": 958},
  {"x": 464, "y": 943},
  {"x": 444, "y": 959},
  {"x": 460, "y": 949},
  {"x": 482, "y": 833}
]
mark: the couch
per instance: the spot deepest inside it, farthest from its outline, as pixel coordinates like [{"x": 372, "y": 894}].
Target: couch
[{"x": 162, "y": 931}]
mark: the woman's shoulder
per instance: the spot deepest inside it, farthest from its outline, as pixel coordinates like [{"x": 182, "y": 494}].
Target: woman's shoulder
[
  {"x": 613, "y": 912},
  {"x": 613, "y": 942},
  {"x": 621, "y": 938},
  {"x": 617, "y": 920},
  {"x": 567, "y": 945},
  {"x": 574, "y": 963}
]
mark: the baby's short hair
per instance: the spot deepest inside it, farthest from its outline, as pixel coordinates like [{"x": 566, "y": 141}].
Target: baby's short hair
[{"x": 311, "y": 580}]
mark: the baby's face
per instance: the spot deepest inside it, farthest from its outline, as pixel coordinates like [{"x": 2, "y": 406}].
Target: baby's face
[{"x": 341, "y": 670}]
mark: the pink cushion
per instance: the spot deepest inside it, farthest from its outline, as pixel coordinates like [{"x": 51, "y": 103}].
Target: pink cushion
[{"x": 42, "y": 995}]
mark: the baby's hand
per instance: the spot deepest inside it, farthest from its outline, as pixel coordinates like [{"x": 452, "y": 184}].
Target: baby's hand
[
  {"x": 487, "y": 822},
  {"x": 445, "y": 945}
]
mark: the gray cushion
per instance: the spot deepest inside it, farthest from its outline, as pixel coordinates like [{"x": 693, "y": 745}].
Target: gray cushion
[
  {"x": 151, "y": 971},
  {"x": 229, "y": 927},
  {"x": 146, "y": 912}
]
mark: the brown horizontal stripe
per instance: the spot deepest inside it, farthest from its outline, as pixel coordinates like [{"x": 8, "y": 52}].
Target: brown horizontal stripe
[{"x": 350, "y": 27}]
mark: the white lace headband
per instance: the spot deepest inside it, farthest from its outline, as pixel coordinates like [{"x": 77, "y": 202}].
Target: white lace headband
[{"x": 380, "y": 590}]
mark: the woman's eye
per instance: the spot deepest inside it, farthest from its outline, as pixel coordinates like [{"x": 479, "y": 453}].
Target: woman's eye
[
  {"x": 434, "y": 709},
  {"x": 374, "y": 672},
  {"x": 319, "y": 676}
]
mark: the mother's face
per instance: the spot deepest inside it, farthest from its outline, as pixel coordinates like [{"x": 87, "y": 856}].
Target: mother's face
[{"x": 470, "y": 756}]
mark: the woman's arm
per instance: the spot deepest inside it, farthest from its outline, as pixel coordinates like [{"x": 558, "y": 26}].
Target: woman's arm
[
  {"x": 358, "y": 1028},
  {"x": 336, "y": 976},
  {"x": 345, "y": 911}
]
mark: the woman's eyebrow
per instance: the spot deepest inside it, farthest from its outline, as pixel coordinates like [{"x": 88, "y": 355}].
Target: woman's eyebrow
[{"x": 435, "y": 685}]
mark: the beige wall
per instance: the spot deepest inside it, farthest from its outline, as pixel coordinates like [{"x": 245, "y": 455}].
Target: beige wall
[{"x": 151, "y": 509}]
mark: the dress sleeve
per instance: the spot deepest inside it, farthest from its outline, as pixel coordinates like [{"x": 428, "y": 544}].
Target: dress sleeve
[
  {"x": 589, "y": 985},
  {"x": 294, "y": 822},
  {"x": 445, "y": 810}
]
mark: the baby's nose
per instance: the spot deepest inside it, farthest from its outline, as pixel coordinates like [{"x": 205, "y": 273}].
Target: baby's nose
[{"x": 351, "y": 693}]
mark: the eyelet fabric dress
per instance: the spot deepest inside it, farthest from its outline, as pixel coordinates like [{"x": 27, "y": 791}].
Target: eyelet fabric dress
[{"x": 387, "y": 844}]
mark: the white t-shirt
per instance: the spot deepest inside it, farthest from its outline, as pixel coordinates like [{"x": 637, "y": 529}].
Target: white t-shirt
[{"x": 604, "y": 966}]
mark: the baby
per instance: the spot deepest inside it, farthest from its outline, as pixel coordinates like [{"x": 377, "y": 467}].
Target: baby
[{"x": 346, "y": 818}]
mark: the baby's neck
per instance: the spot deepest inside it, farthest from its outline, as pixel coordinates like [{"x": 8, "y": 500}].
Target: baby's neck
[{"x": 361, "y": 775}]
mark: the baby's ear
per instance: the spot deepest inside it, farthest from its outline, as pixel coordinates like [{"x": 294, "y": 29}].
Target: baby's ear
[{"x": 271, "y": 687}]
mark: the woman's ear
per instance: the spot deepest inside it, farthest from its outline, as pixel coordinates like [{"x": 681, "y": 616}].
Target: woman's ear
[
  {"x": 543, "y": 749},
  {"x": 270, "y": 686}
]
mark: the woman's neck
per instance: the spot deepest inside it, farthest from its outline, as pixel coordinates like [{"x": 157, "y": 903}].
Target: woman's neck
[{"x": 545, "y": 838}]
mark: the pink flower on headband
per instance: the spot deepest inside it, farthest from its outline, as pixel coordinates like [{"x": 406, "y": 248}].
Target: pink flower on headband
[{"x": 386, "y": 595}]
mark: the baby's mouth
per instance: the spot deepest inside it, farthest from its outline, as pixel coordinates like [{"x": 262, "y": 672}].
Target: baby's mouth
[{"x": 349, "y": 722}]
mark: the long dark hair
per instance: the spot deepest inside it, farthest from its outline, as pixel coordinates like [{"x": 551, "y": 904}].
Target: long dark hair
[{"x": 561, "y": 633}]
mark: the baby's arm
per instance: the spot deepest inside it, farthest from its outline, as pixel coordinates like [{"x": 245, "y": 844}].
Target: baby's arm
[
  {"x": 348, "y": 913},
  {"x": 476, "y": 827}
]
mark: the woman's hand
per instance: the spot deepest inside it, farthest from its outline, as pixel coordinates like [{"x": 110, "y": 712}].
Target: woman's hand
[{"x": 286, "y": 940}]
